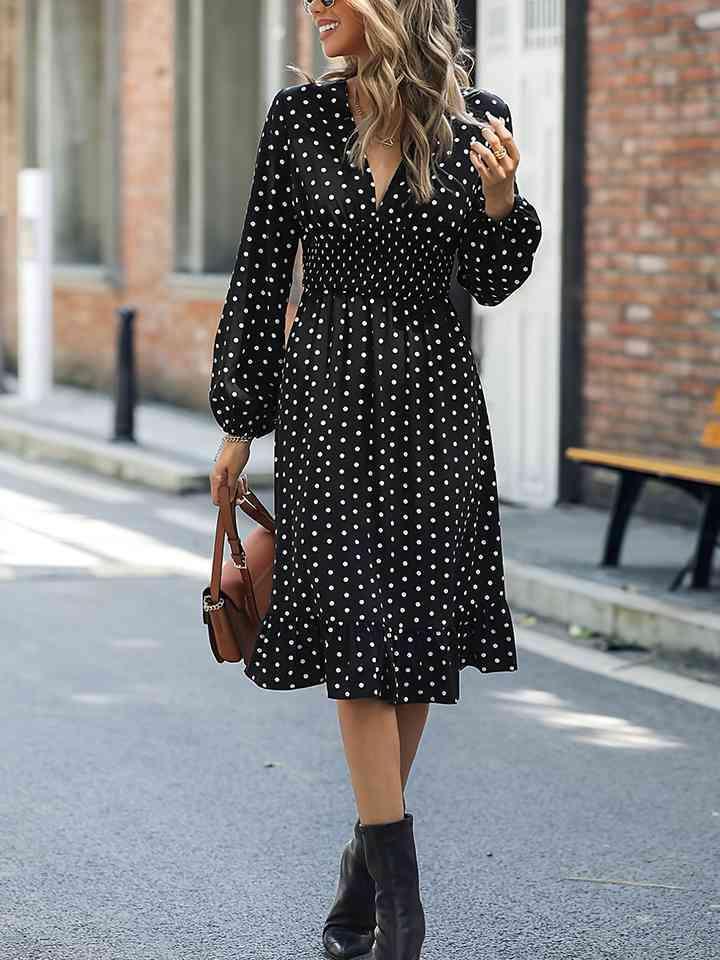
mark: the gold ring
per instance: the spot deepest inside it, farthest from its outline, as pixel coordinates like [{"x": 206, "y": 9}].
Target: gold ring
[{"x": 499, "y": 154}]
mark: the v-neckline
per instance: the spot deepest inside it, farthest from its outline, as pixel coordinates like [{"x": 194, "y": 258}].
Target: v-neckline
[{"x": 366, "y": 163}]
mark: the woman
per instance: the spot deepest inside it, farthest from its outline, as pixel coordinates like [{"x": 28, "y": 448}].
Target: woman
[{"x": 388, "y": 576}]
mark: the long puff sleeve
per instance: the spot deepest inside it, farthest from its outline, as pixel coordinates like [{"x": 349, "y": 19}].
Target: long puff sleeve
[
  {"x": 495, "y": 257},
  {"x": 249, "y": 344}
]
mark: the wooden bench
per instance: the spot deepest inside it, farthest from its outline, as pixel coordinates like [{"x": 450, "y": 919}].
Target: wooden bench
[{"x": 701, "y": 481}]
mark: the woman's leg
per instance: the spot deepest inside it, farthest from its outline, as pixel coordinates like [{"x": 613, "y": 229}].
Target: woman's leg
[
  {"x": 380, "y": 741},
  {"x": 371, "y": 739},
  {"x": 411, "y": 719}
]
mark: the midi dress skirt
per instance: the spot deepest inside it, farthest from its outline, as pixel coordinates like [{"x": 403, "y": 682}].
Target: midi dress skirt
[{"x": 388, "y": 569}]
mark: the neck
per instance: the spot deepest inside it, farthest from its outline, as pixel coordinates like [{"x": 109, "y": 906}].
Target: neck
[{"x": 358, "y": 90}]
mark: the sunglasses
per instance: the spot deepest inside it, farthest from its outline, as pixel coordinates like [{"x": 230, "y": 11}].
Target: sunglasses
[{"x": 326, "y": 3}]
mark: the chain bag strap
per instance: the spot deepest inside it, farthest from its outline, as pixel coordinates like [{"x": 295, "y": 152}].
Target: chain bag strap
[{"x": 238, "y": 595}]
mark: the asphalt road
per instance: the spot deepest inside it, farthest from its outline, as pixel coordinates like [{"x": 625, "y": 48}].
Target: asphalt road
[{"x": 155, "y": 804}]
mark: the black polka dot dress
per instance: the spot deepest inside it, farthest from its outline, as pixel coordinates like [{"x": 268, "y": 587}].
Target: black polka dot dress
[{"x": 388, "y": 571}]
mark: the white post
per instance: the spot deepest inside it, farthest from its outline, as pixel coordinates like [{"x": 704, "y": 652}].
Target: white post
[
  {"x": 35, "y": 322},
  {"x": 273, "y": 32}
]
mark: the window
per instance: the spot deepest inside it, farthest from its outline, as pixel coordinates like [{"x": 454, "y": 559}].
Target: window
[
  {"x": 70, "y": 122},
  {"x": 544, "y": 23},
  {"x": 218, "y": 114}
]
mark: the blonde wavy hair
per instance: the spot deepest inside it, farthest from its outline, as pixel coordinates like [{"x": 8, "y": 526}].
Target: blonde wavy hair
[{"x": 417, "y": 62}]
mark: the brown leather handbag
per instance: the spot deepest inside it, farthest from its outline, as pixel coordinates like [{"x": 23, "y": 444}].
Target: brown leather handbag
[{"x": 238, "y": 596}]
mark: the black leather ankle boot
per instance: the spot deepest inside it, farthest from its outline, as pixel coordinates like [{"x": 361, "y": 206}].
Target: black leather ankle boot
[
  {"x": 350, "y": 925},
  {"x": 392, "y": 862}
]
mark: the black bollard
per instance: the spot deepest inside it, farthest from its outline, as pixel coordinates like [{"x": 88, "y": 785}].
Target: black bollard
[{"x": 125, "y": 389}]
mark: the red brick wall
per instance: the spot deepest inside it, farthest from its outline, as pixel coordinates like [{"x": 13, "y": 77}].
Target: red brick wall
[{"x": 652, "y": 345}]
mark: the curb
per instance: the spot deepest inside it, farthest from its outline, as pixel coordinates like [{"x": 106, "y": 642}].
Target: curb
[
  {"x": 631, "y": 617},
  {"x": 131, "y": 462}
]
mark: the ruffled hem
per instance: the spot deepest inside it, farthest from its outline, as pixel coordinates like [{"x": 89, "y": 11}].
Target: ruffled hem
[
  {"x": 361, "y": 660},
  {"x": 489, "y": 648}
]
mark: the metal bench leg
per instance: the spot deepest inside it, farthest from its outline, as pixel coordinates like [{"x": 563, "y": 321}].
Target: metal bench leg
[
  {"x": 680, "y": 575},
  {"x": 626, "y": 495},
  {"x": 707, "y": 539}
]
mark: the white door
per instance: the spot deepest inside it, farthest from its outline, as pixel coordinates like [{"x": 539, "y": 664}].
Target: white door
[{"x": 520, "y": 57}]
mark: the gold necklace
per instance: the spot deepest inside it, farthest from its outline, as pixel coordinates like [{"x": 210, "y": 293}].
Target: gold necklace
[{"x": 385, "y": 141}]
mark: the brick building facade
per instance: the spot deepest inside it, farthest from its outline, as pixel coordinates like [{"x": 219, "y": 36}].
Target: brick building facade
[
  {"x": 177, "y": 309},
  {"x": 650, "y": 305},
  {"x": 652, "y": 229},
  {"x": 652, "y": 287}
]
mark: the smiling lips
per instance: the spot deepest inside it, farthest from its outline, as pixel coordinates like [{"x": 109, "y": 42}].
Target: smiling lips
[{"x": 327, "y": 26}]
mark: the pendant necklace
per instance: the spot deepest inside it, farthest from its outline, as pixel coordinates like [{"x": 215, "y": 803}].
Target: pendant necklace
[{"x": 385, "y": 141}]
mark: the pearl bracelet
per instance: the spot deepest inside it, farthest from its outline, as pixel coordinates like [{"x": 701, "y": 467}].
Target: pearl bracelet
[{"x": 231, "y": 439}]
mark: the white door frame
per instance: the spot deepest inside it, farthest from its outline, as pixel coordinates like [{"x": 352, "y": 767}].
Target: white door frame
[{"x": 520, "y": 57}]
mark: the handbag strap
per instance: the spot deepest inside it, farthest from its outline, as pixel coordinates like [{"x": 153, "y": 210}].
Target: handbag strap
[
  {"x": 226, "y": 526},
  {"x": 217, "y": 560},
  {"x": 256, "y": 510},
  {"x": 227, "y": 514}
]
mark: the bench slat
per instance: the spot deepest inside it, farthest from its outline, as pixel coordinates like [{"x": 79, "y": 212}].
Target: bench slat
[
  {"x": 711, "y": 435},
  {"x": 701, "y": 472}
]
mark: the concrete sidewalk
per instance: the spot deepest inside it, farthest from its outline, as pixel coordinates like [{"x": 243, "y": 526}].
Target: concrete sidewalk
[
  {"x": 551, "y": 555},
  {"x": 552, "y": 571},
  {"x": 174, "y": 449}
]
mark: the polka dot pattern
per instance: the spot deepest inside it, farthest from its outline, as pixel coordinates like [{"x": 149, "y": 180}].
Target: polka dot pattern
[{"x": 388, "y": 576}]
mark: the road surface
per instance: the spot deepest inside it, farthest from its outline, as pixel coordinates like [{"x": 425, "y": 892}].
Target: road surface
[{"x": 158, "y": 805}]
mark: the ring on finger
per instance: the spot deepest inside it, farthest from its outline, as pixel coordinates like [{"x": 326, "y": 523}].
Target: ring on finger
[
  {"x": 493, "y": 132},
  {"x": 498, "y": 154},
  {"x": 499, "y": 151}
]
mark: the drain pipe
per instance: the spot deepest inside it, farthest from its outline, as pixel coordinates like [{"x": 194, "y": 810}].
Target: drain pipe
[{"x": 572, "y": 321}]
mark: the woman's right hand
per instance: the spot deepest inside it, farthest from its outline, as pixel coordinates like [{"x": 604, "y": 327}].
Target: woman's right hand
[{"x": 226, "y": 471}]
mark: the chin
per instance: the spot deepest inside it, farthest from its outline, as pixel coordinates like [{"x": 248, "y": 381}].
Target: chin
[
  {"x": 347, "y": 41},
  {"x": 336, "y": 50}
]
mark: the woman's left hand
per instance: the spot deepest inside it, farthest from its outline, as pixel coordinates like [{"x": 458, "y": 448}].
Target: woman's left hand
[{"x": 498, "y": 176}]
